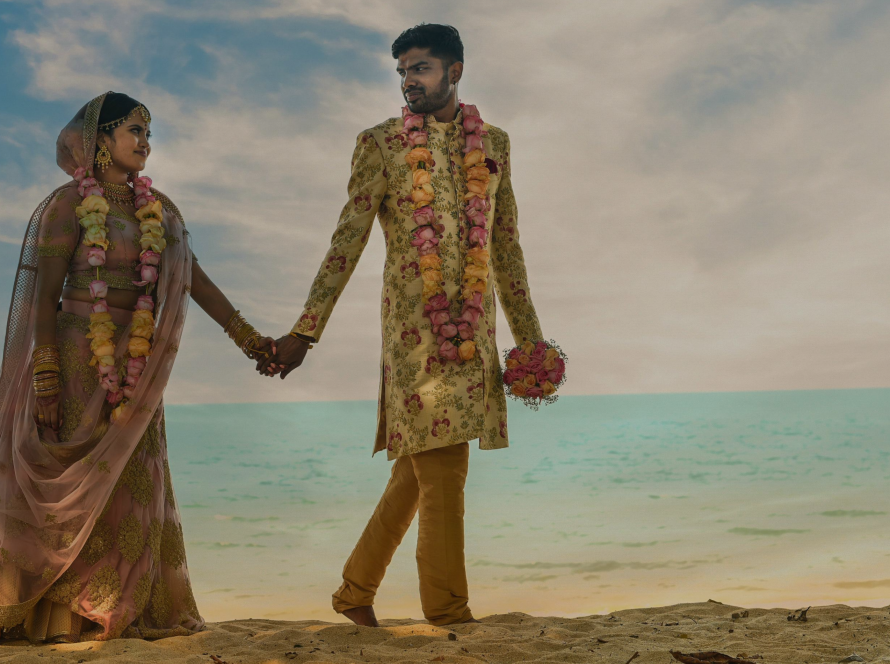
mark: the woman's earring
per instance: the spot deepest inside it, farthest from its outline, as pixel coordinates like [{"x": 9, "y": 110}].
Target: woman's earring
[{"x": 103, "y": 158}]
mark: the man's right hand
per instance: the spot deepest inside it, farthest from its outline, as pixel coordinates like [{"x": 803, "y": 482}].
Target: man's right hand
[{"x": 288, "y": 355}]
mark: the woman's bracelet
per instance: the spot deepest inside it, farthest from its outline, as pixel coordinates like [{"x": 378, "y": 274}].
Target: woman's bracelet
[
  {"x": 47, "y": 384},
  {"x": 46, "y": 358},
  {"x": 244, "y": 335}
]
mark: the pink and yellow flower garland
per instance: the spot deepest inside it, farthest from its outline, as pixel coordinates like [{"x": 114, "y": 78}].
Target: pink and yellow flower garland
[
  {"x": 455, "y": 336},
  {"x": 92, "y": 213}
]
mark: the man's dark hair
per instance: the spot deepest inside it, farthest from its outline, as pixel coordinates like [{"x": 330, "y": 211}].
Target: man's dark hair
[{"x": 443, "y": 41}]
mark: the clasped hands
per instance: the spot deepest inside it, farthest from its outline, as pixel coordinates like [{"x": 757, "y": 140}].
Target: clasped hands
[{"x": 281, "y": 356}]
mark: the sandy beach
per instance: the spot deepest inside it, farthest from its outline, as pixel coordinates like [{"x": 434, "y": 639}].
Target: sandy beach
[{"x": 763, "y": 636}]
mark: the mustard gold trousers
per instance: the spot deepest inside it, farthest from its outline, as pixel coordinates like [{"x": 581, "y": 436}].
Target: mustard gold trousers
[{"x": 431, "y": 483}]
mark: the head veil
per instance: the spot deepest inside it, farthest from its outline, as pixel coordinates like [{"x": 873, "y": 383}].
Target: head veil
[{"x": 50, "y": 497}]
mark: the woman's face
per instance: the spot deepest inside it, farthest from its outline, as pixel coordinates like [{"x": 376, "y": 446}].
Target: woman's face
[{"x": 129, "y": 144}]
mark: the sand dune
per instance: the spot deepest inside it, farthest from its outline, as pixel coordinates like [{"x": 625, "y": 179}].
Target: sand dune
[{"x": 765, "y": 636}]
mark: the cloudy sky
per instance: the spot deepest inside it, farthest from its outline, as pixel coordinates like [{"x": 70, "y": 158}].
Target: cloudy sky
[{"x": 702, "y": 183}]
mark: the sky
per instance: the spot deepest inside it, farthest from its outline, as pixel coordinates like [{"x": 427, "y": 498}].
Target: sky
[{"x": 702, "y": 184}]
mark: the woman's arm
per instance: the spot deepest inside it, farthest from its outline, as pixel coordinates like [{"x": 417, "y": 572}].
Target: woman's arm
[
  {"x": 58, "y": 238},
  {"x": 209, "y": 297},
  {"x": 51, "y": 271}
]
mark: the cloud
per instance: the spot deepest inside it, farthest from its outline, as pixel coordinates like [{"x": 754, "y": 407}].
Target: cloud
[{"x": 701, "y": 184}]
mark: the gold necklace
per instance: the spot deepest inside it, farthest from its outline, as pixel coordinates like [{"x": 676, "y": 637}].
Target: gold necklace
[{"x": 119, "y": 193}]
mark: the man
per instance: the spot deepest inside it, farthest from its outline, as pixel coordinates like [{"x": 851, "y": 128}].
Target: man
[{"x": 438, "y": 179}]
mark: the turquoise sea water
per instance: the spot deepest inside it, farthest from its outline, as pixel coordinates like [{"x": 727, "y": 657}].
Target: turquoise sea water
[{"x": 600, "y": 503}]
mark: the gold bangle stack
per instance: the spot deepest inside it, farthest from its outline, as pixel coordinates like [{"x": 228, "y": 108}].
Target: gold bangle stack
[
  {"x": 47, "y": 367},
  {"x": 244, "y": 335}
]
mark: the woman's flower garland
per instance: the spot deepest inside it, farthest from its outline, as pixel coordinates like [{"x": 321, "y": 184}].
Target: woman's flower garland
[
  {"x": 92, "y": 213},
  {"x": 534, "y": 372},
  {"x": 455, "y": 336}
]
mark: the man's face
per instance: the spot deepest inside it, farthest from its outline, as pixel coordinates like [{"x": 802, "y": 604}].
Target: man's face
[{"x": 425, "y": 84}]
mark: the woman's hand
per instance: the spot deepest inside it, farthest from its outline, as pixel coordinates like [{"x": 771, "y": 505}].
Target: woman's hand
[
  {"x": 46, "y": 413},
  {"x": 266, "y": 347}
]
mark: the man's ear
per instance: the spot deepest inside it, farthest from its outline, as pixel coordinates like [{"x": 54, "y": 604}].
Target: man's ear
[{"x": 456, "y": 71}]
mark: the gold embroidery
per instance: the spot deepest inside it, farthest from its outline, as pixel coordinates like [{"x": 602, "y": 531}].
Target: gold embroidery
[
  {"x": 122, "y": 624},
  {"x": 68, "y": 226},
  {"x": 66, "y": 321},
  {"x": 113, "y": 280},
  {"x": 168, "y": 485},
  {"x": 53, "y": 214},
  {"x": 161, "y": 603},
  {"x": 114, "y": 491},
  {"x": 48, "y": 574},
  {"x": 50, "y": 518},
  {"x": 104, "y": 589},
  {"x": 153, "y": 541},
  {"x": 54, "y": 251},
  {"x": 72, "y": 410},
  {"x": 151, "y": 440},
  {"x": 66, "y": 589},
  {"x": 14, "y": 526},
  {"x": 189, "y": 600},
  {"x": 130, "y": 541},
  {"x": 104, "y": 467},
  {"x": 87, "y": 460},
  {"x": 174, "y": 348},
  {"x": 138, "y": 480},
  {"x": 172, "y": 544},
  {"x": 99, "y": 543},
  {"x": 72, "y": 363},
  {"x": 142, "y": 592}
]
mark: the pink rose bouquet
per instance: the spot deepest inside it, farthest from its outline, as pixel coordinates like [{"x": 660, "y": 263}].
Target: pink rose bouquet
[{"x": 533, "y": 372}]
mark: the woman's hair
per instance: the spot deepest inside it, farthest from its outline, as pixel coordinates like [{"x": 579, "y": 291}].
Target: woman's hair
[
  {"x": 117, "y": 106},
  {"x": 443, "y": 41}
]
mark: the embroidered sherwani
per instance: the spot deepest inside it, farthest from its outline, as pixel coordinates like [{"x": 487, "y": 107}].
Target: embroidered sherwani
[{"x": 427, "y": 402}]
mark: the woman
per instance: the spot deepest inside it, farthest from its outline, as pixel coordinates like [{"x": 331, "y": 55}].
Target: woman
[{"x": 91, "y": 543}]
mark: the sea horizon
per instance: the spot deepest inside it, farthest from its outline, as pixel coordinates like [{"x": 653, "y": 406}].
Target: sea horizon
[{"x": 601, "y": 503}]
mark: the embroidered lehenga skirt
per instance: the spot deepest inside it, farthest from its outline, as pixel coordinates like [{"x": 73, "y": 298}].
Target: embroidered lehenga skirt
[{"x": 131, "y": 577}]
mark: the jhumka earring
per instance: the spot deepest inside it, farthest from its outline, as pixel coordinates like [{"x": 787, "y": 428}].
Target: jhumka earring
[{"x": 103, "y": 158}]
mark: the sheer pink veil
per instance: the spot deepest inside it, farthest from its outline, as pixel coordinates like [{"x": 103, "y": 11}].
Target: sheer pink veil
[{"x": 50, "y": 497}]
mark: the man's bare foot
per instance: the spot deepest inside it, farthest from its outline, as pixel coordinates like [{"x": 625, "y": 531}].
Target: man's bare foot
[{"x": 362, "y": 615}]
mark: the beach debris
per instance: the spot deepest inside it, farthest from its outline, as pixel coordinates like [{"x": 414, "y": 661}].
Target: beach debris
[
  {"x": 801, "y": 617},
  {"x": 439, "y": 658},
  {"x": 709, "y": 657},
  {"x": 217, "y": 660},
  {"x": 739, "y": 614},
  {"x": 742, "y": 655},
  {"x": 452, "y": 636},
  {"x": 852, "y": 658},
  {"x": 669, "y": 624},
  {"x": 632, "y": 658}
]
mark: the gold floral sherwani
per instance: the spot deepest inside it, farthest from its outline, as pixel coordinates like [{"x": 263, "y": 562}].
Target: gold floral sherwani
[{"x": 426, "y": 402}]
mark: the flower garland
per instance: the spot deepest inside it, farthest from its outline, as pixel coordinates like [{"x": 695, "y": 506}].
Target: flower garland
[
  {"x": 92, "y": 213},
  {"x": 455, "y": 336}
]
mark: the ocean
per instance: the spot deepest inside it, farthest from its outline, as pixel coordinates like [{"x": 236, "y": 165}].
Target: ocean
[{"x": 600, "y": 503}]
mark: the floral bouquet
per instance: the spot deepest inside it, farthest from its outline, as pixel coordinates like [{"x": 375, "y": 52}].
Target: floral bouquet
[{"x": 534, "y": 372}]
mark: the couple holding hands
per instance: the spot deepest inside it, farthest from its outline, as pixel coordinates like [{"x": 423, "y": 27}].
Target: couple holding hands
[{"x": 91, "y": 541}]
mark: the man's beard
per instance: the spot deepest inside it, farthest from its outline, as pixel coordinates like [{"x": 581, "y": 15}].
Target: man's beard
[{"x": 431, "y": 100}]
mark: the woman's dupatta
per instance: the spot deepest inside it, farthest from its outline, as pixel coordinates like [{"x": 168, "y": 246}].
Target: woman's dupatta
[{"x": 52, "y": 494}]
